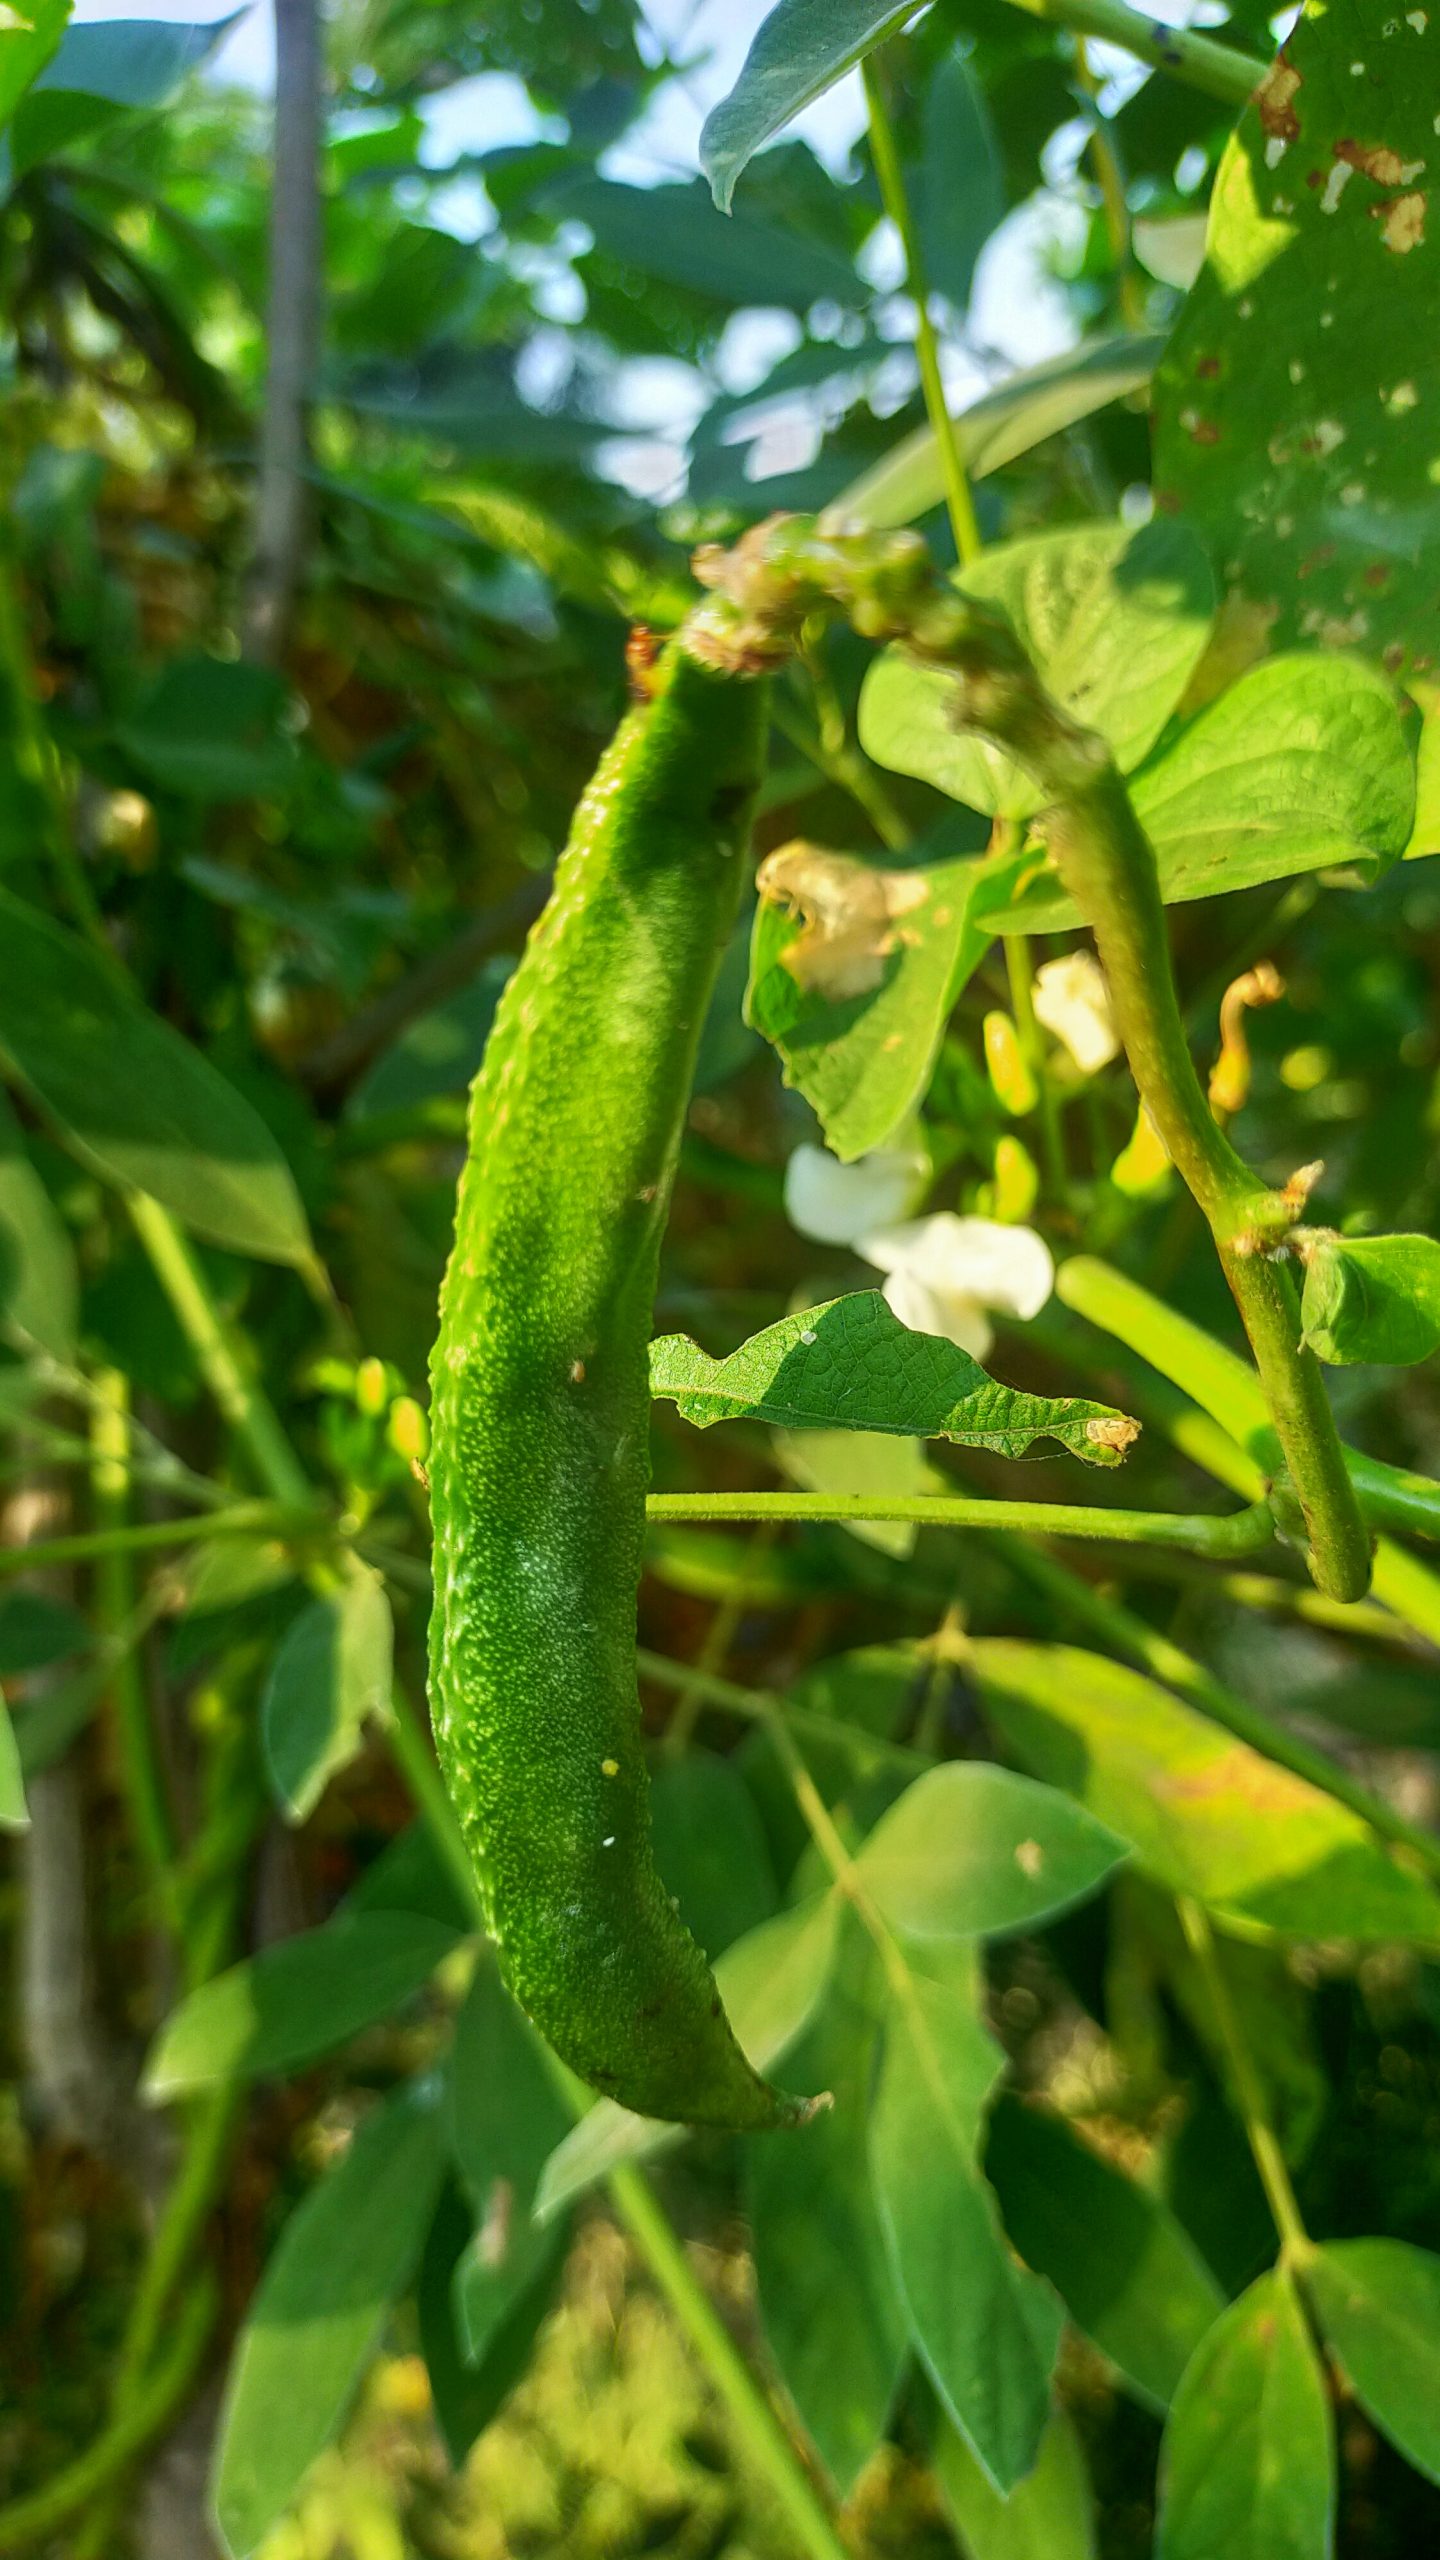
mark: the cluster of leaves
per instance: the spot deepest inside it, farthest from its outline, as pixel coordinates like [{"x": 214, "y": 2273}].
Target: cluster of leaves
[{"x": 254, "y": 928}]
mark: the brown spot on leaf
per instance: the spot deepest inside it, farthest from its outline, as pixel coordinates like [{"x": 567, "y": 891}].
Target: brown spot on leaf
[
  {"x": 1275, "y": 99},
  {"x": 1377, "y": 575},
  {"x": 1112, "y": 1431},
  {"x": 1207, "y": 368},
  {"x": 1376, "y": 160},
  {"x": 1402, "y": 221}
]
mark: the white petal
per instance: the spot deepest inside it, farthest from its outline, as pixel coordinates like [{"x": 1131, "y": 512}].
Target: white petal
[
  {"x": 928, "y": 1310},
  {"x": 1073, "y": 1001},
  {"x": 1008, "y": 1268},
  {"x": 836, "y": 1203}
]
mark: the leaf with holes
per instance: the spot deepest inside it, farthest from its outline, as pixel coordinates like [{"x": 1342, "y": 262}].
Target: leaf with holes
[
  {"x": 851, "y": 1365},
  {"x": 1296, "y": 406}
]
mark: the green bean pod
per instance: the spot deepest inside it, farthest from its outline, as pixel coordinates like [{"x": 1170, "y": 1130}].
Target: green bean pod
[{"x": 540, "y": 1407}]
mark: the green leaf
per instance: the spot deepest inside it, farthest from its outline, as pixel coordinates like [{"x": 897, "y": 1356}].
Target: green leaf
[
  {"x": 1000, "y": 426},
  {"x": 506, "y": 2116},
  {"x": 467, "y": 2398},
  {"x": 1207, "y": 1815},
  {"x": 13, "y": 1815},
  {"x": 985, "y": 2329},
  {"x": 1372, "y": 1298},
  {"x": 832, "y": 2320},
  {"x": 1049, "y": 2516},
  {"x": 1425, "y": 834},
  {"x": 1248, "y": 2464},
  {"x": 711, "y": 1849},
  {"x": 159, "y": 1118},
  {"x": 858, "y": 1019},
  {"x": 1125, "y": 2270},
  {"x": 39, "y": 1288},
  {"x": 295, "y": 2001},
  {"x": 213, "y": 729},
  {"x": 35, "y": 1630},
  {"x": 27, "y": 41},
  {"x": 802, "y": 49},
  {"x": 958, "y": 189},
  {"x": 102, "y": 69},
  {"x": 331, "y": 1672},
  {"x": 345, "y": 2256},
  {"x": 1379, "y": 2306},
  {"x": 852, "y": 1365},
  {"x": 770, "y": 1982},
  {"x": 675, "y": 235},
  {"x": 886, "y": 1468},
  {"x": 1301, "y": 766},
  {"x": 972, "y": 1851},
  {"x": 1296, "y": 404},
  {"x": 1116, "y": 622}
]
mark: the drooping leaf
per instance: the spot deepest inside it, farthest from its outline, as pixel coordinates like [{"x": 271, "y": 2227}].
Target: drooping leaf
[
  {"x": 802, "y": 49},
  {"x": 985, "y": 2329},
  {"x": 1372, "y": 1298},
  {"x": 861, "y": 1043},
  {"x": 1379, "y": 2306},
  {"x": 1248, "y": 2464},
  {"x": 827, "y": 2298},
  {"x": 506, "y": 2115},
  {"x": 1296, "y": 404},
  {"x": 293, "y": 2002},
  {"x": 39, "y": 1289},
  {"x": 973, "y": 1851},
  {"x": 1125, "y": 2270},
  {"x": 1000, "y": 426},
  {"x": 1207, "y": 1815},
  {"x": 770, "y": 1981},
  {"x": 1301, "y": 766},
  {"x": 331, "y": 1672},
  {"x": 852, "y": 1365},
  {"x": 710, "y": 1848},
  {"x": 1049, "y": 2515},
  {"x": 345, "y": 2256},
  {"x": 1116, "y": 622},
  {"x": 160, "y": 1117}
]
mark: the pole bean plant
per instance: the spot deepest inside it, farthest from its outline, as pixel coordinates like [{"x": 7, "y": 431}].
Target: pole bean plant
[{"x": 725, "y": 1828}]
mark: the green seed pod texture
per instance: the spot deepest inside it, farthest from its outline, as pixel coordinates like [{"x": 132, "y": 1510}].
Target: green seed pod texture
[{"x": 540, "y": 1408}]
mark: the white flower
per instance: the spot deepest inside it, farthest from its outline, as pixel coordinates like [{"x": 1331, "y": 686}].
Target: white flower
[
  {"x": 1073, "y": 1001},
  {"x": 943, "y": 1272},
  {"x": 839, "y": 1203}
]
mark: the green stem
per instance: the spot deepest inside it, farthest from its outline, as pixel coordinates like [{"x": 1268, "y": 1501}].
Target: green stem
[
  {"x": 246, "y": 1408},
  {"x": 1109, "y": 177},
  {"x": 1106, "y": 862},
  {"x": 1236, "y": 1533},
  {"x": 1243, "y": 1448},
  {"x": 760, "y": 2434},
  {"x": 761, "y": 1706},
  {"x": 959, "y": 500},
  {"x": 115, "y": 1606},
  {"x": 140, "y": 1537},
  {"x": 1141, "y": 1643},
  {"x": 1295, "y": 2241},
  {"x": 1220, "y": 70},
  {"x": 848, "y": 770},
  {"x": 38, "y": 2518}
]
